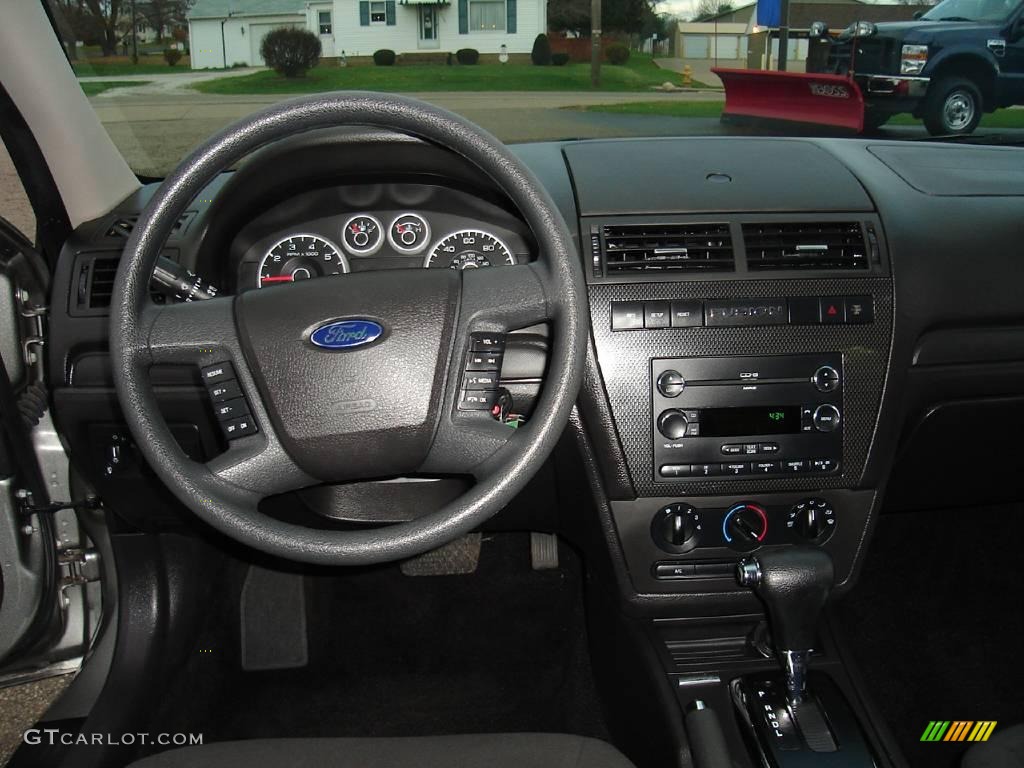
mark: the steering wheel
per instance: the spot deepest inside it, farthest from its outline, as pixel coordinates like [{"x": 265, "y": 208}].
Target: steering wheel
[{"x": 381, "y": 409}]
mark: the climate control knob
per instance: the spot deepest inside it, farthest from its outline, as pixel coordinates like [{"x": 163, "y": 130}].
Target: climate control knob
[
  {"x": 672, "y": 424},
  {"x": 813, "y": 520},
  {"x": 744, "y": 526},
  {"x": 675, "y": 528}
]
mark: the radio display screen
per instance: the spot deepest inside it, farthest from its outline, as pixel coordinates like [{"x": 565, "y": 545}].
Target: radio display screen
[{"x": 761, "y": 420}]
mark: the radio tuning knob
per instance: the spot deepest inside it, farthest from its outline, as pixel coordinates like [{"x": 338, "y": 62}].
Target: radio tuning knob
[
  {"x": 671, "y": 383},
  {"x": 672, "y": 424},
  {"x": 826, "y": 379}
]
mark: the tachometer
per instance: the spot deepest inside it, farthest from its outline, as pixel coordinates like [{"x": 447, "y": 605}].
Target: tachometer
[
  {"x": 469, "y": 249},
  {"x": 301, "y": 257}
]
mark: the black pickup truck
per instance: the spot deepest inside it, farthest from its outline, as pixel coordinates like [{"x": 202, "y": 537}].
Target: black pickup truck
[{"x": 958, "y": 60}]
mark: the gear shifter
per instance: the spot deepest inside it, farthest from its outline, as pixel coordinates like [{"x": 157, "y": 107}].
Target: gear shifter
[{"x": 794, "y": 584}]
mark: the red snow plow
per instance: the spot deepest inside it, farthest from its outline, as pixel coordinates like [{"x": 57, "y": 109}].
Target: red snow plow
[{"x": 831, "y": 100}]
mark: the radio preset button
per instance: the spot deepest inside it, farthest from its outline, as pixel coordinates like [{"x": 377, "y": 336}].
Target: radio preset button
[
  {"x": 671, "y": 384},
  {"x": 705, "y": 470},
  {"x": 736, "y": 468},
  {"x": 765, "y": 467},
  {"x": 673, "y": 424},
  {"x": 794, "y": 465},
  {"x": 823, "y": 465},
  {"x": 674, "y": 470},
  {"x": 826, "y": 418}
]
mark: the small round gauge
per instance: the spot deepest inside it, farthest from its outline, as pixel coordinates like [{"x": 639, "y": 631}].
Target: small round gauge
[
  {"x": 301, "y": 257},
  {"x": 409, "y": 233},
  {"x": 469, "y": 249},
  {"x": 362, "y": 235}
]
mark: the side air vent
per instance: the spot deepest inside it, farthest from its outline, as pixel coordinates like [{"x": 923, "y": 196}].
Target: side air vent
[
  {"x": 632, "y": 248},
  {"x": 120, "y": 227},
  {"x": 806, "y": 245},
  {"x": 93, "y": 286}
]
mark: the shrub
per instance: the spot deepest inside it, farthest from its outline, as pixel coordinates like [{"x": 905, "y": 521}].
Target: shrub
[
  {"x": 172, "y": 56},
  {"x": 467, "y": 55},
  {"x": 617, "y": 53},
  {"x": 541, "y": 53},
  {"x": 559, "y": 59},
  {"x": 385, "y": 57},
  {"x": 290, "y": 52}
]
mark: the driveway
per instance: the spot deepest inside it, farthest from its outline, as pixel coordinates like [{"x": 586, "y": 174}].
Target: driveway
[{"x": 161, "y": 84}]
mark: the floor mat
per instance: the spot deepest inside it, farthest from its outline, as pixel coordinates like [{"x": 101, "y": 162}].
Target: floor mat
[
  {"x": 22, "y": 705},
  {"x": 503, "y": 649},
  {"x": 936, "y": 623}
]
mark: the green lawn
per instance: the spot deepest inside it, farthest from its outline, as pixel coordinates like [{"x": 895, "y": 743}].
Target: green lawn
[
  {"x": 639, "y": 74},
  {"x": 1003, "y": 118},
  {"x": 94, "y": 89}
]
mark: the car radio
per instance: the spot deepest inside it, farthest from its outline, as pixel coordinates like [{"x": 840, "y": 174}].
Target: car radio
[{"x": 747, "y": 416}]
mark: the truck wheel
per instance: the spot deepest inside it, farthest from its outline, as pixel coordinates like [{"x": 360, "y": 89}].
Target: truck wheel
[{"x": 952, "y": 107}]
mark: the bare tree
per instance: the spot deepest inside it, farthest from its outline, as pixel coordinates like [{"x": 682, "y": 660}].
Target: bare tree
[
  {"x": 105, "y": 14},
  {"x": 163, "y": 15},
  {"x": 707, "y": 9}
]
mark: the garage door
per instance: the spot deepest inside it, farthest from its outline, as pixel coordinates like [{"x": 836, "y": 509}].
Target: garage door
[{"x": 256, "y": 34}]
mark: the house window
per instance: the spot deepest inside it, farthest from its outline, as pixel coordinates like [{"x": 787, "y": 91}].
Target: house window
[
  {"x": 487, "y": 15},
  {"x": 324, "y": 22},
  {"x": 378, "y": 13}
]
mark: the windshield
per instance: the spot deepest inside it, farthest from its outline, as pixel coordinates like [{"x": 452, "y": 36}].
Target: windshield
[
  {"x": 164, "y": 76},
  {"x": 971, "y": 10}
]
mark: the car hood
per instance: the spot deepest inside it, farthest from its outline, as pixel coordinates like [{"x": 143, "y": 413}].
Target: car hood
[{"x": 930, "y": 30}]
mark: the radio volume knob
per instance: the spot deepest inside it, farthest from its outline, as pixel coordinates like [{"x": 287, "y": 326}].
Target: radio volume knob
[{"x": 672, "y": 424}]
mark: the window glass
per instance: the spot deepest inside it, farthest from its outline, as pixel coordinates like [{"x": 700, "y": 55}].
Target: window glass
[
  {"x": 324, "y": 20},
  {"x": 487, "y": 14},
  {"x": 378, "y": 13},
  {"x": 14, "y": 204}
]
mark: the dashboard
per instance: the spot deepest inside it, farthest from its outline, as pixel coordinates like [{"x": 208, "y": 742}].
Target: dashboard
[{"x": 786, "y": 334}]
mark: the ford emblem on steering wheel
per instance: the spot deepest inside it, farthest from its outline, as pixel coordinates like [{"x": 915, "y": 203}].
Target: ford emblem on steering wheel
[{"x": 346, "y": 334}]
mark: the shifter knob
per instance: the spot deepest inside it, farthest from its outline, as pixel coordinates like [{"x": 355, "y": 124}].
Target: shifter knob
[{"x": 794, "y": 584}]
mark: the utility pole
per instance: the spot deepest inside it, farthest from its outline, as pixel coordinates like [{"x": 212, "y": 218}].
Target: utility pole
[
  {"x": 595, "y": 43},
  {"x": 783, "y": 35},
  {"x": 135, "y": 35}
]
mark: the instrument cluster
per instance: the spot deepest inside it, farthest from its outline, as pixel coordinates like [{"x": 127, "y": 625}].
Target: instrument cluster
[{"x": 362, "y": 240}]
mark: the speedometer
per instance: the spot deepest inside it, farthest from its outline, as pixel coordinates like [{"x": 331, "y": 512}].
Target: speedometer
[
  {"x": 469, "y": 249},
  {"x": 301, "y": 257}
]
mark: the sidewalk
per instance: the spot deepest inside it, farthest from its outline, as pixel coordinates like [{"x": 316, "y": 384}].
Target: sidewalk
[
  {"x": 162, "y": 84},
  {"x": 701, "y": 70}
]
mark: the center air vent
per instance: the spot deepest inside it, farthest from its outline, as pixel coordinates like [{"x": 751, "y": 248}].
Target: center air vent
[
  {"x": 120, "y": 227},
  {"x": 667, "y": 248},
  {"x": 807, "y": 245}
]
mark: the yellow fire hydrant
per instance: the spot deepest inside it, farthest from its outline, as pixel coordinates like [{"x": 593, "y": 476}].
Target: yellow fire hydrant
[{"x": 687, "y": 76}]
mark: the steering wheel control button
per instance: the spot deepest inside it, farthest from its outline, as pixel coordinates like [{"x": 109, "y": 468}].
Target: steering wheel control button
[
  {"x": 656, "y": 314},
  {"x": 745, "y": 526},
  {"x": 243, "y": 426},
  {"x": 826, "y": 379},
  {"x": 231, "y": 409},
  {"x": 409, "y": 233},
  {"x": 214, "y": 374},
  {"x": 673, "y": 424},
  {"x": 671, "y": 384},
  {"x": 362, "y": 235},
  {"x": 627, "y": 316},
  {"x": 812, "y": 520},
  {"x": 676, "y": 528},
  {"x": 687, "y": 314},
  {"x": 478, "y": 400},
  {"x": 481, "y": 380},
  {"x": 487, "y": 342},
  {"x": 484, "y": 361},
  {"x": 227, "y": 390},
  {"x": 826, "y": 418}
]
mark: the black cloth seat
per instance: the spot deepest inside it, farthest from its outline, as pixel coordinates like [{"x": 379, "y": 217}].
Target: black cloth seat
[
  {"x": 1005, "y": 749},
  {"x": 512, "y": 750}
]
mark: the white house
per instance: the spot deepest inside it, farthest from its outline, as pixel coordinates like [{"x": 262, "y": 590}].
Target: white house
[{"x": 227, "y": 32}]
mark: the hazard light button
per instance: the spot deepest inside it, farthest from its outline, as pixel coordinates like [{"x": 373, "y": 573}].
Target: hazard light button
[{"x": 833, "y": 309}]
